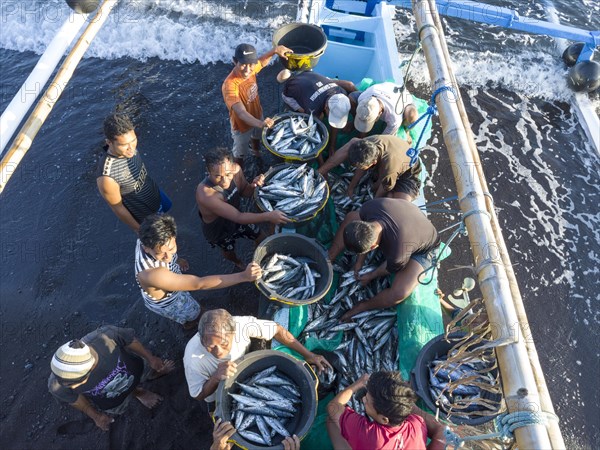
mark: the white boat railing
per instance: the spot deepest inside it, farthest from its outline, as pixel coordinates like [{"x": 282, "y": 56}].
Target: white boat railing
[{"x": 36, "y": 119}]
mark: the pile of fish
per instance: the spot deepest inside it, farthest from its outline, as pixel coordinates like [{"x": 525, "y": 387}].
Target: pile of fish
[
  {"x": 295, "y": 137},
  {"x": 370, "y": 340},
  {"x": 458, "y": 388},
  {"x": 339, "y": 186},
  {"x": 289, "y": 277},
  {"x": 297, "y": 191},
  {"x": 263, "y": 406}
]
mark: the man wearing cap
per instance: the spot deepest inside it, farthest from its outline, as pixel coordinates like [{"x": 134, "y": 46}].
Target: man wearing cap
[
  {"x": 100, "y": 373},
  {"x": 394, "y": 176},
  {"x": 386, "y": 101},
  {"x": 221, "y": 339},
  {"x": 309, "y": 92},
  {"x": 240, "y": 93}
]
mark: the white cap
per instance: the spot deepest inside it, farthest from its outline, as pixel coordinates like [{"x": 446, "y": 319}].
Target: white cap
[
  {"x": 367, "y": 113},
  {"x": 339, "y": 107}
]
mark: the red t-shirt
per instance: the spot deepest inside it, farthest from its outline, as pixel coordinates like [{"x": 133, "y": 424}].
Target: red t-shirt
[
  {"x": 363, "y": 434},
  {"x": 237, "y": 89}
]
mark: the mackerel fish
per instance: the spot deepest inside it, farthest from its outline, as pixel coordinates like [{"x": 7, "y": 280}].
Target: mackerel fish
[
  {"x": 370, "y": 341},
  {"x": 263, "y": 405},
  {"x": 298, "y": 191},
  {"x": 458, "y": 388},
  {"x": 295, "y": 136},
  {"x": 339, "y": 185},
  {"x": 290, "y": 277}
]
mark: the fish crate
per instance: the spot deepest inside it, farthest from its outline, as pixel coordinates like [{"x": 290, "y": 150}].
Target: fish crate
[
  {"x": 293, "y": 156},
  {"x": 308, "y": 214},
  {"x": 295, "y": 245},
  {"x": 299, "y": 371},
  {"x": 420, "y": 381}
]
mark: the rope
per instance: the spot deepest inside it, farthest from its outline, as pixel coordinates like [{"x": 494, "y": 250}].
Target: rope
[
  {"x": 408, "y": 71},
  {"x": 505, "y": 425},
  {"x": 427, "y": 25},
  {"x": 413, "y": 152},
  {"x": 437, "y": 202},
  {"x": 434, "y": 263}
]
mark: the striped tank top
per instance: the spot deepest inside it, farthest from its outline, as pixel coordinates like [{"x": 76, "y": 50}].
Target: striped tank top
[
  {"x": 144, "y": 261},
  {"x": 139, "y": 191}
]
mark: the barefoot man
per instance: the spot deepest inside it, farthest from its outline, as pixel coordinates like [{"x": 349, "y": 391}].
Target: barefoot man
[
  {"x": 100, "y": 373},
  {"x": 218, "y": 199},
  {"x": 164, "y": 288}
]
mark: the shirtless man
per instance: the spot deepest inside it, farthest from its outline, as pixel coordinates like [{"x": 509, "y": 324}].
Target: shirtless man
[
  {"x": 218, "y": 199},
  {"x": 158, "y": 273}
]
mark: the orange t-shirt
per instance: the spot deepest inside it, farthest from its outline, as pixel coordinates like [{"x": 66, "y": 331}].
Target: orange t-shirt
[{"x": 237, "y": 89}]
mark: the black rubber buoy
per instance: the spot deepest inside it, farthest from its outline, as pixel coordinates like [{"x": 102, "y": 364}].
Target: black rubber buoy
[
  {"x": 571, "y": 54},
  {"x": 83, "y": 6},
  {"x": 585, "y": 76}
]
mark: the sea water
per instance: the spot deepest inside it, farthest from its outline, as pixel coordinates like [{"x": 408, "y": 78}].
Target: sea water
[{"x": 163, "y": 62}]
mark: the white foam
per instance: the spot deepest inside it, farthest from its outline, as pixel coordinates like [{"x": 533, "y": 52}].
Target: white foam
[{"x": 167, "y": 29}]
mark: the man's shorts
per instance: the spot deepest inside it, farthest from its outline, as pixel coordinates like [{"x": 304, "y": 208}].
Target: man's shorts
[
  {"x": 425, "y": 259},
  {"x": 181, "y": 310},
  {"x": 410, "y": 181},
  {"x": 241, "y": 141},
  {"x": 165, "y": 202},
  {"x": 227, "y": 244}
]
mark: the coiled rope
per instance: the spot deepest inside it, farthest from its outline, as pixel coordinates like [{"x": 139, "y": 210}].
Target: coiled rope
[{"x": 506, "y": 424}]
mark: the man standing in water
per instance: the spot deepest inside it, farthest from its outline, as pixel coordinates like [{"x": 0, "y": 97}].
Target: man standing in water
[
  {"x": 240, "y": 93},
  {"x": 158, "y": 272},
  {"x": 218, "y": 198},
  {"x": 123, "y": 180},
  {"x": 100, "y": 373}
]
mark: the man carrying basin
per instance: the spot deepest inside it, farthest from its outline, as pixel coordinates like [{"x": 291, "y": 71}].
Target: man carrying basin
[
  {"x": 158, "y": 273},
  {"x": 394, "y": 176},
  {"x": 218, "y": 199},
  {"x": 311, "y": 93},
  {"x": 240, "y": 93},
  {"x": 406, "y": 238},
  {"x": 221, "y": 339}
]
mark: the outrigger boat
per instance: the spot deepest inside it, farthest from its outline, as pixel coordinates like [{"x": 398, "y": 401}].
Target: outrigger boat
[{"x": 360, "y": 45}]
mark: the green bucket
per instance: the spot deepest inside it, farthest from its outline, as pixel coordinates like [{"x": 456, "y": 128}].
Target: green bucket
[{"x": 296, "y": 245}]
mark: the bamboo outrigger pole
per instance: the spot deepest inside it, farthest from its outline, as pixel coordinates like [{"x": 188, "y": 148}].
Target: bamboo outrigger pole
[
  {"x": 27, "y": 95},
  {"x": 24, "y": 139},
  {"x": 519, "y": 382},
  {"x": 554, "y": 432}
]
